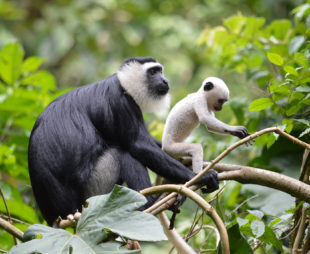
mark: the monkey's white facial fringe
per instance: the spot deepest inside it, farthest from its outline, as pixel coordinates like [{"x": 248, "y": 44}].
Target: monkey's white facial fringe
[{"x": 133, "y": 79}]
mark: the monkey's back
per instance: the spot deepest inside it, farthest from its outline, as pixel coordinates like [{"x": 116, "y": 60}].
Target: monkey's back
[{"x": 181, "y": 120}]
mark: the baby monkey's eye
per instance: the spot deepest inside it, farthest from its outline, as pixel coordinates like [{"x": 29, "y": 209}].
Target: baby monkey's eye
[{"x": 221, "y": 101}]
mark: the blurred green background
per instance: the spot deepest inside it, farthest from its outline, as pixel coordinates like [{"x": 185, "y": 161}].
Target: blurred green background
[{"x": 79, "y": 42}]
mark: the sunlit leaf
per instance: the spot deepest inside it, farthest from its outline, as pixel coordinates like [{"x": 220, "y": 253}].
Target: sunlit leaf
[
  {"x": 260, "y": 104},
  {"x": 11, "y": 59},
  {"x": 275, "y": 58},
  {"x": 291, "y": 70},
  {"x": 32, "y": 64},
  {"x": 42, "y": 79}
]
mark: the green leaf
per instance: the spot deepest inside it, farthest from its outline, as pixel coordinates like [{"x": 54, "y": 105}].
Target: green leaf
[
  {"x": 294, "y": 108},
  {"x": 59, "y": 241},
  {"x": 275, "y": 58},
  {"x": 253, "y": 25},
  {"x": 237, "y": 243},
  {"x": 20, "y": 210},
  {"x": 115, "y": 211},
  {"x": 242, "y": 222},
  {"x": 270, "y": 237},
  {"x": 11, "y": 59},
  {"x": 295, "y": 44},
  {"x": 303, "y": 121},
  {"x": 291, "y": 70},
  {"x": 42, "y": 79},
  {"x": 260, "y": 104},
  {"x": 235, "y": 23},
  {"x": 258, "y": 228},
  {"x": 32, "y": 64},
  {"x": 280, "y": 28},
  {"x": 258, "y": 214}
]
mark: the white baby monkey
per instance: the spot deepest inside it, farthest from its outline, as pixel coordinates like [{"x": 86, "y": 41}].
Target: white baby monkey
[{"x": 186, "y": 115}]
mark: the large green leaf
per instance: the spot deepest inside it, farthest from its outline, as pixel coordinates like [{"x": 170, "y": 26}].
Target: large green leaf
[
  {"x": 113, "y": 212},
  {"x": 53, "y": 241},
  {"x": 11, "y": 59}
]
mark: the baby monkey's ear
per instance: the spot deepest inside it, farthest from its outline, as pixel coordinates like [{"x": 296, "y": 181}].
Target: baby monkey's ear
[{"x": 208, "y": 86}]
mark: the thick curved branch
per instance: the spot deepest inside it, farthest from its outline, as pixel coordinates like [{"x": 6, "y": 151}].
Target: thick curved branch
[
  {"x": 200, "y": 201},
  {"x": 244, "y": 174}
]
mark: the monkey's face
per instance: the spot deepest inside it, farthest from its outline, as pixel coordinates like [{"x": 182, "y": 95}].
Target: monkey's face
[
  {"x": 157, "y": 83},
  {"x": 216, "y": 93}
]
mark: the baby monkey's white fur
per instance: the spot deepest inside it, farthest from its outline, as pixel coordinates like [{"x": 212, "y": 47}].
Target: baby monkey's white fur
[{"x": 186, "y": 115}]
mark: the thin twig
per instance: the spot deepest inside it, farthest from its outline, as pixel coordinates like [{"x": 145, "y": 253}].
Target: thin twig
[
  {"x": 245, "y": 201},
  {"x": 300, "y": 230},
  {"x": 8, "y": 212},
  {"x": 14, "y": 219}
]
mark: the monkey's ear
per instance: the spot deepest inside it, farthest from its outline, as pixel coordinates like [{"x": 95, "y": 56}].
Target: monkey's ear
[{"x": 208, "y": 86}]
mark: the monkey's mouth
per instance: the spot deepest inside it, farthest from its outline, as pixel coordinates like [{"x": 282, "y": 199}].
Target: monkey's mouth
[
  {"x": 218, "y": 108},
  {"x": 162, "y": 90}
]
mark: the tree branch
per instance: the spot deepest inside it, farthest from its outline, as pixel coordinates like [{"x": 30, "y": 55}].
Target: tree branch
[
  {"x": 244, "y": 174},
  {"x": 177, "y": 241},
  {"x": 11, "y": 229},
  {"x": 200, "y": 201},
  {"x": 236, "y": 175}
]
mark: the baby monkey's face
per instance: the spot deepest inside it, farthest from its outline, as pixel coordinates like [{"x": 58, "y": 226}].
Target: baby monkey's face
[{"x": 216, "y": 93}]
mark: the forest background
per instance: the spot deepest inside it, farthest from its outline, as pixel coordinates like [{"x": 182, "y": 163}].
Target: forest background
[{"x": 259, "y": 48}]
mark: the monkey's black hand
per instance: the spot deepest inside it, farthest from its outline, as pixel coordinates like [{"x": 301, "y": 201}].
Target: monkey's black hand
[
  {"x": 241, "y": 132},
  {"x": 210, "y": 180}
]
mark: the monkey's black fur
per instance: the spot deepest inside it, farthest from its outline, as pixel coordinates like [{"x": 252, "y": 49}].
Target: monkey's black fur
[{"x": 80, "y": 126}]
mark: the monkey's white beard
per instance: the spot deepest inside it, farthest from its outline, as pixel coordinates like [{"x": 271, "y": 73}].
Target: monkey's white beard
[{"x": 155, "y": 104}]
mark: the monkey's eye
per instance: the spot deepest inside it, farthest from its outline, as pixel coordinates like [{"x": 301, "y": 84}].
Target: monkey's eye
[
  {"x": 153, "y": 72},
  {"x": 221, "y": 101}
]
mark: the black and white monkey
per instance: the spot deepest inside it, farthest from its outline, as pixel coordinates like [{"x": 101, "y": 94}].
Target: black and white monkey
[
  {"x": 94, "y": 136},
  {"x": 186, "y": 115}
]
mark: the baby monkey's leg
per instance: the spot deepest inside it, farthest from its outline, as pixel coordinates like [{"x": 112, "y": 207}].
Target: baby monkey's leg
[{"x": 195, "y": 151}]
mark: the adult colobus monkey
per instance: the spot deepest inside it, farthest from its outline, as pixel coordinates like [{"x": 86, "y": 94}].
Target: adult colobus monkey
[
  {"x": 94, "y": 136},
  {"x": 197, "y": 108}
]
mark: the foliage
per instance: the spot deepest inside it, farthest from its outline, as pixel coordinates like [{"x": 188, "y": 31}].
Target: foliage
[
  {"x": 104, "y": 218},
  {"x": 275, "y": 56},
  {"x": 84, "y": 41}
]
